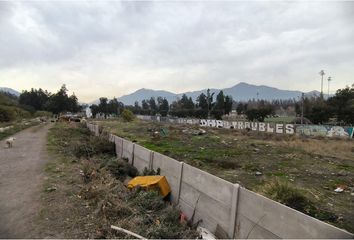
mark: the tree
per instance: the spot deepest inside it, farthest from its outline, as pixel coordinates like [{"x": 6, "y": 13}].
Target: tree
[
  {"x": 34, "y": 98},
  {"x": 228, "y": 104},
  {"x": 153, "y": 106},
  {"x": 61, "y": 102},
  {"x": 209, "y": 101},
  {"x": 127, "y": 115},
  {"x": 103, "y": 105},
  {"x": 342, "y": 105},
  {"x": 164, "y": 107},
  {"x": 202, "y": 106},
  {"x": 94, "y": 109},
  {"x": 258, "y": 114}
]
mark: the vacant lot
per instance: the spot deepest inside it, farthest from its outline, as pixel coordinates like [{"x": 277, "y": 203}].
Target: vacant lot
[{"x": 309, "y": 168}]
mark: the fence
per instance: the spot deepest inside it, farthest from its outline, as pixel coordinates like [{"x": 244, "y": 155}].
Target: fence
[
  {"x": 278, "y": 128},
  {"x": 216, "y": 202}
]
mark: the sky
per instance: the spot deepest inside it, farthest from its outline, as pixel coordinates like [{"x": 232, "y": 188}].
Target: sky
[{"x": 114, "y": 48}]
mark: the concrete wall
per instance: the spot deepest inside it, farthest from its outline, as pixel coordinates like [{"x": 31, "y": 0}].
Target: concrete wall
[
  {"x": 239, "y": 212},
  {"x": 170, "y": 168},
  {"x": 142, "y": 158},
  {"x": 128, "y": 148},
  {"x": 119, "y": 146},
  {"x": 276, "y": 128},
  {"x": 210, "y": 196}
]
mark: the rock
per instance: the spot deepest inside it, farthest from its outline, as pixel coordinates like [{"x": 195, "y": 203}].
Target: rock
[
  {"x": 256, "y": 149},
  {"x": 258, "y": 173}
]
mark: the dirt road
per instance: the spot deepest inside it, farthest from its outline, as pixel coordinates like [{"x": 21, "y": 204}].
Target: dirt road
[{"x": 20, "y": 181}]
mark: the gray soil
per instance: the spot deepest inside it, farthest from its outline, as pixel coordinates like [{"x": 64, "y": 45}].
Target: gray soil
[{"x": 21, "y": 174}]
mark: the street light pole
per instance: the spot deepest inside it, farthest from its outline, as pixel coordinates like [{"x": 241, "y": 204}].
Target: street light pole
[
  {"x": 322, "y": 73},
  {"x": 302, "y": 108},
  {"x": 329, "y": 79}
]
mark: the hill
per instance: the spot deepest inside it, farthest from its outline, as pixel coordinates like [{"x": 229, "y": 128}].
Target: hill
[
  {"x": 10, "y": 90},
  {"x": 240, "y": 92}
]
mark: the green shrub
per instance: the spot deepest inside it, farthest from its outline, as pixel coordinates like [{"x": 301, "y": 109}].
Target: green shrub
[
  {"x": 121, "y": 169},
  {"x": 7, "y": 114},
  {"x": 43, "y": 114},
  {"x": 127, "y": 115},
  {"x": 287, "y": 194}
]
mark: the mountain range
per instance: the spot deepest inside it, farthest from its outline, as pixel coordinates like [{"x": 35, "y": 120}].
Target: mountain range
[
  {"x": 10, "y": 90},
  {"x": 240, "y": 92}
]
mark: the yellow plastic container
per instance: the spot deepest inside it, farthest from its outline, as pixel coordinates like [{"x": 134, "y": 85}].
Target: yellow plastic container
[{"x": 149, "y": 182}]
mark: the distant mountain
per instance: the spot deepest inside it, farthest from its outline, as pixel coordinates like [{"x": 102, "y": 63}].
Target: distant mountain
[
  {"x": 10, "y": 90},
  {"x": 144, "y": 93},
  {"x": 240, "y": 92}
]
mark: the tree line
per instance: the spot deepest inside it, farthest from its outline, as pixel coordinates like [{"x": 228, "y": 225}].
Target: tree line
[
  {"x": 42, "y": 100},
  {"x": 317, "y": 109},
  {"x": 185, "y": 106}
]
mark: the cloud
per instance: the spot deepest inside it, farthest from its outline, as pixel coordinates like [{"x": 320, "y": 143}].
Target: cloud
[{"x": 113, "y": 48}]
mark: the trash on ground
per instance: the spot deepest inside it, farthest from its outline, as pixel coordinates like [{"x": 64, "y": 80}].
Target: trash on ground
[
  {"x": 339, "y": 190},
  {"x": 151, "y": 182},
  {"x": 127, "y": 232},
  {"x": 205, "y": 233},
  {"x": 50, "y": 189},
  {"x": 258, "y": 173}
]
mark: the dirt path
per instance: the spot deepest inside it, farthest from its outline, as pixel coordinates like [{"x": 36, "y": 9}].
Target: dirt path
[{"x": 20, "y": 181}]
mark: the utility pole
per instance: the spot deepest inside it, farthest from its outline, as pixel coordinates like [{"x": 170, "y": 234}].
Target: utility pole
[
  {"x": 302, "y": 108},
  {"x": 329, "y": 79},
  {"x": 322, "y": 73}
]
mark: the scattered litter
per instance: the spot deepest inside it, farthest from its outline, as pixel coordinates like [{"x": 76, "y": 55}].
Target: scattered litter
[
  {"x": 201, "y": 148},
  {"x": 258, "y": 173},
  {"x": 256, "y": 149},
  {"x": 127, "y": 232},
  {"x": 205, "y": 233},
  {"x": 150, "y": 182},
  {"x": 201, "y": 131},
  {"x": 50, "y": 189},
  {"x": 339, "y": 190}
]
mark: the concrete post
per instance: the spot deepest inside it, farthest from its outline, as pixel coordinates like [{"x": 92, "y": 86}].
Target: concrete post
[
  {"x": 151, "y": 161},
  {"x": 233, "y": 213},
  {"x": 179, "y": 183},
  {"x": 121, "y": 152},
  {"x": 133, "y": 154}
]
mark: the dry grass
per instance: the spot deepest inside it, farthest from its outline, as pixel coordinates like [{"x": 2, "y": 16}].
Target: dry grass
[{"x": 87, "y": 194}]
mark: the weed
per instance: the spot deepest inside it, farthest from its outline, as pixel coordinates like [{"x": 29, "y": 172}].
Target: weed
[
  {"x": 121, "y": 169},
  {"x": 152, "y": 172},
  {"x": 284, "y": 193}
]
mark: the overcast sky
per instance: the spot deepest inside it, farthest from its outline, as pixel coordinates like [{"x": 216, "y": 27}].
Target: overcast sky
[{"x": 114, "y": 48}]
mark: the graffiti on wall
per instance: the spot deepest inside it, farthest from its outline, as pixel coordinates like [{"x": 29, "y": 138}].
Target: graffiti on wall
[
  {"x": 325, "y": 131},
  {"x": 280, "y": 128}
]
